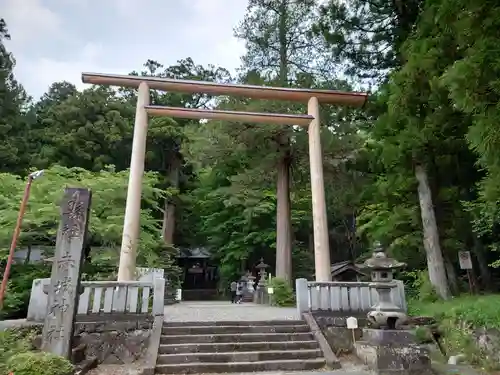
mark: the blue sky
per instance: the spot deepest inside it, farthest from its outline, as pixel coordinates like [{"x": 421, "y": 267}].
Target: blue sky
[{"x": 54, "y": 40}]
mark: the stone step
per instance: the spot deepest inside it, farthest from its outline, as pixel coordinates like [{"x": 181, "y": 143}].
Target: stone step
[
  {"x": 230, "y": 337},
  {"x": 255, "y": 356},
  {"x": 216, "y": 367},
  {"x": 236, "y": 347},
  {"x": 241, "y": 323},
  {"x": 205, "y": 330}
]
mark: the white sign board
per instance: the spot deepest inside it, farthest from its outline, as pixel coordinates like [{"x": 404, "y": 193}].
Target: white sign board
[
  {"x": 352, "y": 322},
  {"x": 270, "y": 290},
  {"x": 465, "y": 260}
]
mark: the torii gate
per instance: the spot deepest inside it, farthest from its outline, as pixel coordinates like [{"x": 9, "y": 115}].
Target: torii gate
[{"x": 131, "y": 225}]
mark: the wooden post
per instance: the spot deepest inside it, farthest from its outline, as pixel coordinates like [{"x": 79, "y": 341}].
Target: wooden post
[
  {"x": 64, "y": 288},
  {"x": 131, "y": 223},
  {"x": 320, "y": 222}
]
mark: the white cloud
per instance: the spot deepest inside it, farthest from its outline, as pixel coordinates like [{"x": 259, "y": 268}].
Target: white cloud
[
  {"x": 44, "y": 71},
  {"x": 30, "y": 18},
  {"x": 55, "y": 40},
  {"x": 210, "y": 26}
]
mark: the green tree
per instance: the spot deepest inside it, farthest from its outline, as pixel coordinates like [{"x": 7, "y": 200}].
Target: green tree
[
  {"x": 366, "y": 36},
  {"x": 109, "y": 189},
  {"x": 13, "y": 100},
  {"x": 281, "y": 51},
  {"x": 473, "y": 82},
  {"x": 88, "y": 129},
  {"x": 166, "y": 135}
]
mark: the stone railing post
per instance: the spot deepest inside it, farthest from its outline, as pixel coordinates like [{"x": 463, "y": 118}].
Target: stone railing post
[
  {"x": 158, "y": 296},
  {"x": 302, "y": 295}
]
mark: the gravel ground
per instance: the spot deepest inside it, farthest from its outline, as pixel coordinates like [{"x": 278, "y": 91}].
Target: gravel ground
[
  {"x": 222, "y": 310},
  {"x": 115, "y": 370},
  {"x": 126, "y": 370}
]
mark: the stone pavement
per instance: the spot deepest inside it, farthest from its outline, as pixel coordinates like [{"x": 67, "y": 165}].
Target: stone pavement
[{"x": 209, "y": 311}]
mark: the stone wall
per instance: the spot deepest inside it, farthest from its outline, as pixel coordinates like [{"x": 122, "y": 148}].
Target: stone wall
[
  {"x": 334, "y": 328},
  {"x": 117, "y": 341},
  {"x": 488, "y": 341}
]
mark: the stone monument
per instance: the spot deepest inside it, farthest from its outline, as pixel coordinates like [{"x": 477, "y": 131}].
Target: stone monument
[
  {"x": 384, "y": 313},
  {"x": 261, "y": 294},
  {"x": 249, "y": 290},
  {"x": 64, "y": 288},
  {"x": 386, "y": 346}
]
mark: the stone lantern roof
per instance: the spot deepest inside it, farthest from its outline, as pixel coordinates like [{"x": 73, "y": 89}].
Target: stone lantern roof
[{"x": 380, "y": 261}]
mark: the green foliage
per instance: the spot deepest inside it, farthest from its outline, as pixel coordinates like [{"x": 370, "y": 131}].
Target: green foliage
[
  {"x": 366, "y": 36},
  {"x": 42, "y": 216},
  {"x": 434, "y": 106},
  {"x": 13, "y": 122},
  {"x": 458, "y": 319},
  {"x": 163, "y": 256},
  {"x": 13, "y": 342},
  {"x": 423, "y": 335},
  {"x": 479, "y": 311},
  {"x": 39, "y": 363},
  {"x": 109, "y": 189},
  {"x": 19, "y": 289},
  {"x": 283, "y": 294},
  {"x": 419, "y": 287}
]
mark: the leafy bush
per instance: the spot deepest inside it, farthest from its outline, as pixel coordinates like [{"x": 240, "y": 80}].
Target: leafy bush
[
  {"x": 458, "y": 318},
  {"x": 12, "y": 342},
  {"x": 19, "y": 288},
  {"x": 39, "y": 363},
  {"x": 418, "y": 286},
  {"x": 480, "y": 311},
  {"x": 283, "y": 293}
]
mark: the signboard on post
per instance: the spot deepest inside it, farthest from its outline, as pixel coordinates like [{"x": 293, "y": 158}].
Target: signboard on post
[{"x": 465, "y": 260}]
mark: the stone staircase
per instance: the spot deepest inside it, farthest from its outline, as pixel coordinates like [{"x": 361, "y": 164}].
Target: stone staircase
[{"x": 219, "y": 347}]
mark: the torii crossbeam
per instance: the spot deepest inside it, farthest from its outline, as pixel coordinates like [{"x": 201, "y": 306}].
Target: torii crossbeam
[{"x": 131, "y": 225}]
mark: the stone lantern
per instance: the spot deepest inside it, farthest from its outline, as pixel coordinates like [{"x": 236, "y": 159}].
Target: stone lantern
[
  {"x": 385, "y": 313},
  {"x": 260, "y": 296},
  {"x": 387, "y": 347},
  {"x": 261, "y": 267},
  {"x": 250, "y": 282}
]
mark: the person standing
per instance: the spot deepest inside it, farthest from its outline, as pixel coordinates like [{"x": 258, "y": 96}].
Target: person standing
[
  {"x": 234, "y": 288},
  {"x": 239, "y": 291}
]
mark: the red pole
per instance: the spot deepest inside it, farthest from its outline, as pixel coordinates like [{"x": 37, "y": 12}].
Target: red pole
[{"x": 15, "y": 236}]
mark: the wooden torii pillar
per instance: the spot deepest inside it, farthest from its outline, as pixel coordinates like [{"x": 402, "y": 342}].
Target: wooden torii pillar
[{"x": 128, "y": 254}]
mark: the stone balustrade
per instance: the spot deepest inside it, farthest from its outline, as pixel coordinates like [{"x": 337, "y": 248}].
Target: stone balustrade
[
  {"x": 100, "y": 299},
  {"x": 349, "y": 298}
]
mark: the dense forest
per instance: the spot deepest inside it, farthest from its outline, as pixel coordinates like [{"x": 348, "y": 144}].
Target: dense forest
[{"x": 418, "y": 168}]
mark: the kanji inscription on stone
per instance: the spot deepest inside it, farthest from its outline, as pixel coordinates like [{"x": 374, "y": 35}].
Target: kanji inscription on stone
[{"x": 64, "y": 286}]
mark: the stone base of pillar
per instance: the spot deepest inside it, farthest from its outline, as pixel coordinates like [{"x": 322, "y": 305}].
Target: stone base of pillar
[{"x": 393, "y": 352}]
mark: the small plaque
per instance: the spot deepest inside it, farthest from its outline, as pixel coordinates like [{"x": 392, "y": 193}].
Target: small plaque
[
  {"x": 270, "y": 290},
  {"x": 465, "y": 260},
  {"x": 352, "y": 322}
]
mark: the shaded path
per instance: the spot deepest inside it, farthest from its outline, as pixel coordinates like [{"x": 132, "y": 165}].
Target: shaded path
[{"x": 210, "y": 311}]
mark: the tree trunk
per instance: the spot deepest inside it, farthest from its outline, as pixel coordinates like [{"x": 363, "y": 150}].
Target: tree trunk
[
  {"x": 435, "y": 262},
  {"x": 484, "y": 270},
  {"x": 169, "y": 209},
  {"x": 451, "y": 275},
  {"x": 283, "y": 213},
  {"x": 28, "y": 255},
  {"x": 311, "y": 241},
  {"x": 283, "y": 222}
]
